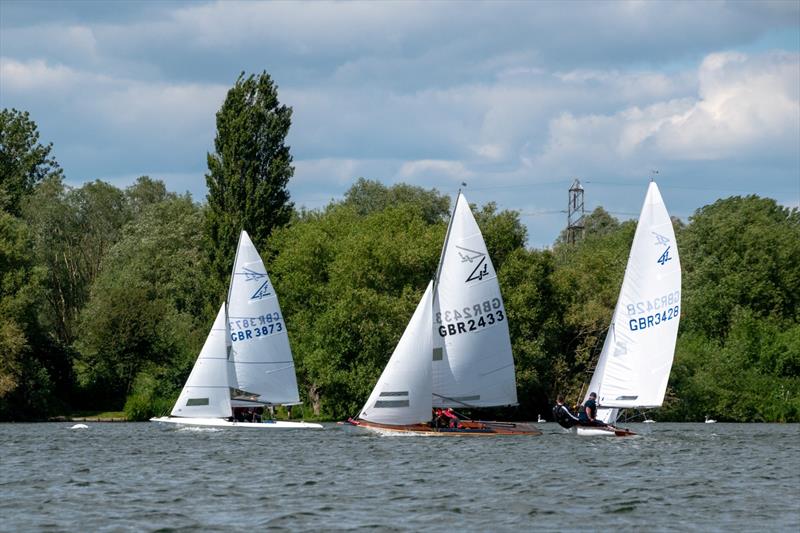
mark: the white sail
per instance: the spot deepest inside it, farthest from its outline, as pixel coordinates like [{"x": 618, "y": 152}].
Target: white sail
[
  {"x": 634, "y": 366},
  {"x": 206, "y": 393},
  {"x": 472, "y": 361},
  {"x": 402, "y": 395},
  {"x": 262, "y": 359}
]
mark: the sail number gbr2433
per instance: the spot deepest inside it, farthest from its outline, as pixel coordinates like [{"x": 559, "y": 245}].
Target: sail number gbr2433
[{"x": 474, "y": 318}]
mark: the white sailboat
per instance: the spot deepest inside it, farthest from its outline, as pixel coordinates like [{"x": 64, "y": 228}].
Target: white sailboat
[
  {"x": 455, "y": 351},
  {"x": 246, "y": 360},
  {"x": 634, "y": 365}
]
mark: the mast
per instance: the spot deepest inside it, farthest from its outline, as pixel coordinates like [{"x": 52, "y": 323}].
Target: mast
[
  {"x": 446, "y": 239},
  {"x": 233, "y": 272}
]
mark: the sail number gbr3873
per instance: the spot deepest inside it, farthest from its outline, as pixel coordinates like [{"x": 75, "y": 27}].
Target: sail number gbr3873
[
  {"x": 255, "y": 327},
  {"x": 470, "y": 318}
]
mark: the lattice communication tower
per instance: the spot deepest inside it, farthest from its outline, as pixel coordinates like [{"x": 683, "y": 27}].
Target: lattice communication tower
[{"x": 575, "y": 212}]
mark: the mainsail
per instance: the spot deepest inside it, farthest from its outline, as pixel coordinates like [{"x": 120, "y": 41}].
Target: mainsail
[
  {"x": 472, "y": 361},
  {"x": 634, "y": 365},
  {"x": 402, "y": 395},
  {"x": 206, "y": 393},
  {"x": 262, "y": 359}
]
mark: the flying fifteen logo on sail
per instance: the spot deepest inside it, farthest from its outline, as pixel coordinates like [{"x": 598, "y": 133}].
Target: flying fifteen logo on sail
[
  {"x": 479, "y": 259},
  {"x": 252, "y": 275},
  {"x": 662, "y": 241},
  {"x": 262, "y": 291}
]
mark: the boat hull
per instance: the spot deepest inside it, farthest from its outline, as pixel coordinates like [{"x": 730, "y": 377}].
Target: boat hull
[
  {"x": 600, "y": 431},
  {"x": 222, "y": 423},
  {"x": 468, "y": 428}
]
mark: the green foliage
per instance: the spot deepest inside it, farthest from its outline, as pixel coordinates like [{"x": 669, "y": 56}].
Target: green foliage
[
  {"x": 588, "y": 277},
  {"x": 248, "y": 173},
  {"x": 370, "y": 196},
  {"x": 503, "y": 232},
  {"x": 145, "y": 306},
  {"x": 73, "y": 229},
  {"x": 752, "y": 375},
  {"x": 740, "y": 252},
  {"x": 535, "y": 312},
  {"x": 23, "y": 161},
  {"x": 348, "y": 285},
  {"x": 105, "y": 294},
  {"x": 149, "y": 396},
  {"x": 30, "y": 367}
]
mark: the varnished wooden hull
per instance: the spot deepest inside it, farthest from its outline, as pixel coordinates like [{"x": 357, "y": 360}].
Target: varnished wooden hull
[{"x": 468, "y": 428}]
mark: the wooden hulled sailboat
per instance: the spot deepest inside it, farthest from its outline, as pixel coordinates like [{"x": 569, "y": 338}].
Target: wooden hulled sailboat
[
  {"x": 634, "y": 365},
  {"x": 246, "y": 361},
  {"x": 455, "y": 351}
]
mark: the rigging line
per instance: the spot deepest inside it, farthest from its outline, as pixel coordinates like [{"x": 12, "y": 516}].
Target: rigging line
[
  {"x": 519, "y": 186},
  {"x": 719, "y": 189},
  {"x": 468, "y": 406}
]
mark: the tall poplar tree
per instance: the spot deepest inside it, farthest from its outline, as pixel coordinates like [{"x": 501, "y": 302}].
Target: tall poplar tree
[{"x": 248, "y": 173}]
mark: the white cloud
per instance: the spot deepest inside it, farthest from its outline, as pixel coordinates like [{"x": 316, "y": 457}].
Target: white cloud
[
  {"x": 36, "y": 75},
  {"x": 745, "y": 106},
  {"x": 427, "y": 170}
]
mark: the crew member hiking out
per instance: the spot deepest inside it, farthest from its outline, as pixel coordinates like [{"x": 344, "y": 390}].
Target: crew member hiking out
[{"x": 563, "y": 415}]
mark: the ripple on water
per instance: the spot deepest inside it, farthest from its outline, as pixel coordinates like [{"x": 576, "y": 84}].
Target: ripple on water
[{"x": 140, "y": 477}]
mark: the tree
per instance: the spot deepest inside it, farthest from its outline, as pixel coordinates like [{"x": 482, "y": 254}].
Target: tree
[
  {"x": 145, "y": 311},
  {"x": 32, "y": 373},
  {"x": 73, "y": 229},
  {"x": 370, "y": 196},
  {"x": 740, "y": 252},
  {"x": 23, "y": 161},
  {"x": 248, "y": 172}
]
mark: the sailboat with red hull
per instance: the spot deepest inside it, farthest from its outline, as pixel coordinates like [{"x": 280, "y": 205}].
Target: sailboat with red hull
[{"x": 455, "y": 352}]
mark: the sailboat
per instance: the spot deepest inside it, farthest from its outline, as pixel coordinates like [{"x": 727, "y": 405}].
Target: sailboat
[
  {"x": 634, "y": 364},
  {"x": 246, "y": 361},
  {"x": 455, "y": 351}
]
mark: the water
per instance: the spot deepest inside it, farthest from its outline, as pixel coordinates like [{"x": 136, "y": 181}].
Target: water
[{"x": 140, "y": 477}]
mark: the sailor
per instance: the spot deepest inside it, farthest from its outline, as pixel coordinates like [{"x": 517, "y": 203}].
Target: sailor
[
  {"x": 453, "y": 418},
  {"x": 588, "y": 414},
  {"x": 563, "y": 415}
]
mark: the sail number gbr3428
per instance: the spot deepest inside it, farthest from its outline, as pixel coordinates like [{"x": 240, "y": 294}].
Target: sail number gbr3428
[
  {"x": 470, "y": 318},
  {"x": 655, "y": 311}
]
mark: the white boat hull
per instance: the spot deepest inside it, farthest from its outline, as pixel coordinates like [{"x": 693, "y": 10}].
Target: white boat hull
[
  {"x": 599, "y": 431},
  {"x": 222, "y": 423}
]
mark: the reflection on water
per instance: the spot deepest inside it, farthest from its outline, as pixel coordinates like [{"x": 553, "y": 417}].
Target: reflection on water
[{"x": 142, "y": 477}]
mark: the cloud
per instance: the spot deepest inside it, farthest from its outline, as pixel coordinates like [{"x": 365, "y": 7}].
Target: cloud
[
  {"x": 745, "y": 106},
  {"x": 37, "y": 75},
  {"x": 506, "y": 95}
]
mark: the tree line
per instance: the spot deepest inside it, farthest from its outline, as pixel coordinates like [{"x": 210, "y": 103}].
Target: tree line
[{"x": 107, "y": 294}]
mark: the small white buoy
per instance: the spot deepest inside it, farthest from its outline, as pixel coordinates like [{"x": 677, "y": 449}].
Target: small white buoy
[{"x": 80, "y": 426}]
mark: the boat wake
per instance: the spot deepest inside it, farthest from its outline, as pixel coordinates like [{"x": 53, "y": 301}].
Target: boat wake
[{"x": 197, "y": 429}]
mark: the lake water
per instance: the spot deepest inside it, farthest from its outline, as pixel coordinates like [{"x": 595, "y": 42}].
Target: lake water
[{"x": 141, "y": 477}]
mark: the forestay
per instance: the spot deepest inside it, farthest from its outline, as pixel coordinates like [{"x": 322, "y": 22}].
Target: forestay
[
  {"x": 261, "y": 355},
  {"x": 472, "y": 361},
  {"x": 402, "y": 395},
  {"x": 206, "y": 393},
  {"x": 637, "y": 355}
]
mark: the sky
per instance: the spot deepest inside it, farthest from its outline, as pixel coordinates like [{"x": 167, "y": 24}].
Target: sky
[{"x": 516, "y": 99}]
